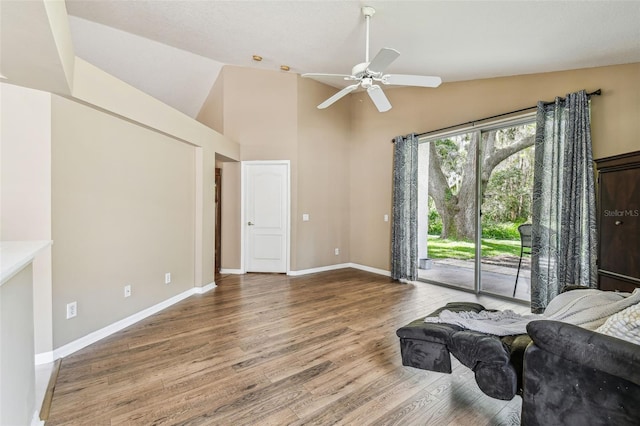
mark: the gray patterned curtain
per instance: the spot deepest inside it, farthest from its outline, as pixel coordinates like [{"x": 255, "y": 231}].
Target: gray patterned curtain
[
  {"x": 564, "y": 220},
  {"x": 404, "y": 228}
]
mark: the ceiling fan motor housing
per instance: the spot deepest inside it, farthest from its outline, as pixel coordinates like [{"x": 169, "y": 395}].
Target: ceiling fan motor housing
[
  {"x": 366, "y": 83},
  {"x": 360, "y": 70}
]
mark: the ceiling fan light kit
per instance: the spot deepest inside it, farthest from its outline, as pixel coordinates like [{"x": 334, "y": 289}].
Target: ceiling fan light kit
[{"x": 368, "y": 73}]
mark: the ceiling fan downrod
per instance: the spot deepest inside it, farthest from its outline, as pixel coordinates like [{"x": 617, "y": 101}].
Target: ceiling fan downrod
[{"x": 368, "y": 12}]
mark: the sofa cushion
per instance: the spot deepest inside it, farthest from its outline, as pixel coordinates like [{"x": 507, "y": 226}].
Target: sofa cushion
[
  {"x": 587, "y": 348},
  {"x": 424, "y": 345},
  {"x": 489, "y": 358}
]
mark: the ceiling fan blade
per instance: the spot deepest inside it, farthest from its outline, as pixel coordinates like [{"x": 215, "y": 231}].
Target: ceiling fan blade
[
  {"x": 411, "y": 80},
  {"x": 382, "y": 60},
  {"x": 379, "y": 99},
  {"x": 313, "y": 75},
  {"x": 341, "y": 94}
]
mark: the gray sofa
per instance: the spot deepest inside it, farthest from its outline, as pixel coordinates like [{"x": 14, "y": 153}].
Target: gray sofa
[
  {"x": 573, "y": 376},
  {"x": 496, "y": 361},
  {"x": 566, "y": 375}
]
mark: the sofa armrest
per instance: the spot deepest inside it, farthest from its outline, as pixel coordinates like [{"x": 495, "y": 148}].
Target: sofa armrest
[{"x": 593, "y": 350}]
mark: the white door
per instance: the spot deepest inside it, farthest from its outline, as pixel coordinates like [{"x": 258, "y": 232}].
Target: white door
[{"x": 266, "y": 216}]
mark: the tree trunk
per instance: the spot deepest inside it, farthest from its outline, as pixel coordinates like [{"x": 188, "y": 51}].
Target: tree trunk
[
  {"x": 464, "y": 219},
  {"x": 458, "y": 211},
  {"x": 440, "y": 192}
]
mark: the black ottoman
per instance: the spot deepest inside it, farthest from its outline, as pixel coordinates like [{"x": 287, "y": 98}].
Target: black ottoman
[{"x": 496, "y": 361}]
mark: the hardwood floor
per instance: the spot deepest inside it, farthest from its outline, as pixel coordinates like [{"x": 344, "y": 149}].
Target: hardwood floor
[{"x": 275, "y": 350}]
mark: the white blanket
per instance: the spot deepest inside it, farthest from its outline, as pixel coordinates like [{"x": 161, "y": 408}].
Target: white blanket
[{"x": 587, "y": 308}]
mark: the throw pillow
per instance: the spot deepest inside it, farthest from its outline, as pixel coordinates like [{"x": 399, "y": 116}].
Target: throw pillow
[{"x": 624, "y": 325}]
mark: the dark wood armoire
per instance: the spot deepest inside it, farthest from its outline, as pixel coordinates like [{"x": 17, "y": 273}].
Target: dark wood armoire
[{"x": 619, "y": 222}]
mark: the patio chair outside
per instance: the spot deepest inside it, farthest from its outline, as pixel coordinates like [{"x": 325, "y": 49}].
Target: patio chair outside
[{"x": 525, "y": 248}]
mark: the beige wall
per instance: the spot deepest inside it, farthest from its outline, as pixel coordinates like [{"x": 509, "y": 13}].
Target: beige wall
[
  {"x": 614, "y": 114},
  {"x": 260, "y": 113},
  {"x": 123, "y": 213},
  {"x": 25, "y": 209},
  {"x": 96, "y": 87},
  {"x": 349, "y": 146},
  {"x": 273, "y": 116},
  {"x": 27, "y": 137},
  {"x": 323, "y": 178},
  {"x": 615, "y": 130},
  {"x": 212, "y": 112}
]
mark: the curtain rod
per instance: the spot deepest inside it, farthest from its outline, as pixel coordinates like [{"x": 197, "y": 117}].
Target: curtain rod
[{"x": 594, "y": 93}]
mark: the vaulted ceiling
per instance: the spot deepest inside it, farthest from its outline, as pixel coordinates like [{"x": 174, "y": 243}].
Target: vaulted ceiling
[{"x": 174, "y": 50}]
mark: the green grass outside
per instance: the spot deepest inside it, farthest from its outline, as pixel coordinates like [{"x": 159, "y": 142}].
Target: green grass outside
[{"x": 451, "y": 249}]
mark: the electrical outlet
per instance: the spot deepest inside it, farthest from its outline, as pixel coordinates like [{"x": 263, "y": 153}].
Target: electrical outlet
[
  {"x": 127, "y": 290},
  {"x": 167, "y": 278},
  {"x": 337, "y": 251},
  {"x": 72, "y": 309}
]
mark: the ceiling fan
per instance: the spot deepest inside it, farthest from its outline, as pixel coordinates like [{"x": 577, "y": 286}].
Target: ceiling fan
[{"x": 368, "y": 73}]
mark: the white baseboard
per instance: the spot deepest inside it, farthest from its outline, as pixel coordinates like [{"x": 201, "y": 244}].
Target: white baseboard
[
  {"x": 340, "y": 266},
  {"x": 204, "y": 289},
  {"x": 370, "y": 269},
  {"x": 319, "y": 269},
  {"x": 44, "y": 358},
  {"x": 232, "y": 271},
  {"x": 93, "y": 337},
  {"x": 35, "y": 420}
]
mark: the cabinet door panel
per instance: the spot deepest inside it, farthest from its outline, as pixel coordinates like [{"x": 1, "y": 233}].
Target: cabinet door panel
[
  {"x": 620, "y": 222},
  {"x": 611, "y": 284}
]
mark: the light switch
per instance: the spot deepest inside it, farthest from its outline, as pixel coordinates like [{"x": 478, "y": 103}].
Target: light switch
[
  {"x": 386, "y": 218},
  {"x": 305, "y": 217}
]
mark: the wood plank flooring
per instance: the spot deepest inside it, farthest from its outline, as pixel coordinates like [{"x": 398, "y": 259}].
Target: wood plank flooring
[{"x": 267, "y": 349}]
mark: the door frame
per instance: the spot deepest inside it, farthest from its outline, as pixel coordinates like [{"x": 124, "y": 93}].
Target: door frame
[
  {"x": 217, "y": 251},
  {"x": 244, "y": 252}
]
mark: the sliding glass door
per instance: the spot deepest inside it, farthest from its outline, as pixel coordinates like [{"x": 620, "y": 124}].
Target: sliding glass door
[
  {"x": 505, "y": 210},
  {"x": 451, "y": 210},
  {"x": 475, "y": 191}
]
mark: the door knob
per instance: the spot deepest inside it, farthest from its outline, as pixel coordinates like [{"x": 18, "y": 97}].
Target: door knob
[
  {"x": 618, "y": 222},
  {"x": 250, "y": 223}
]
